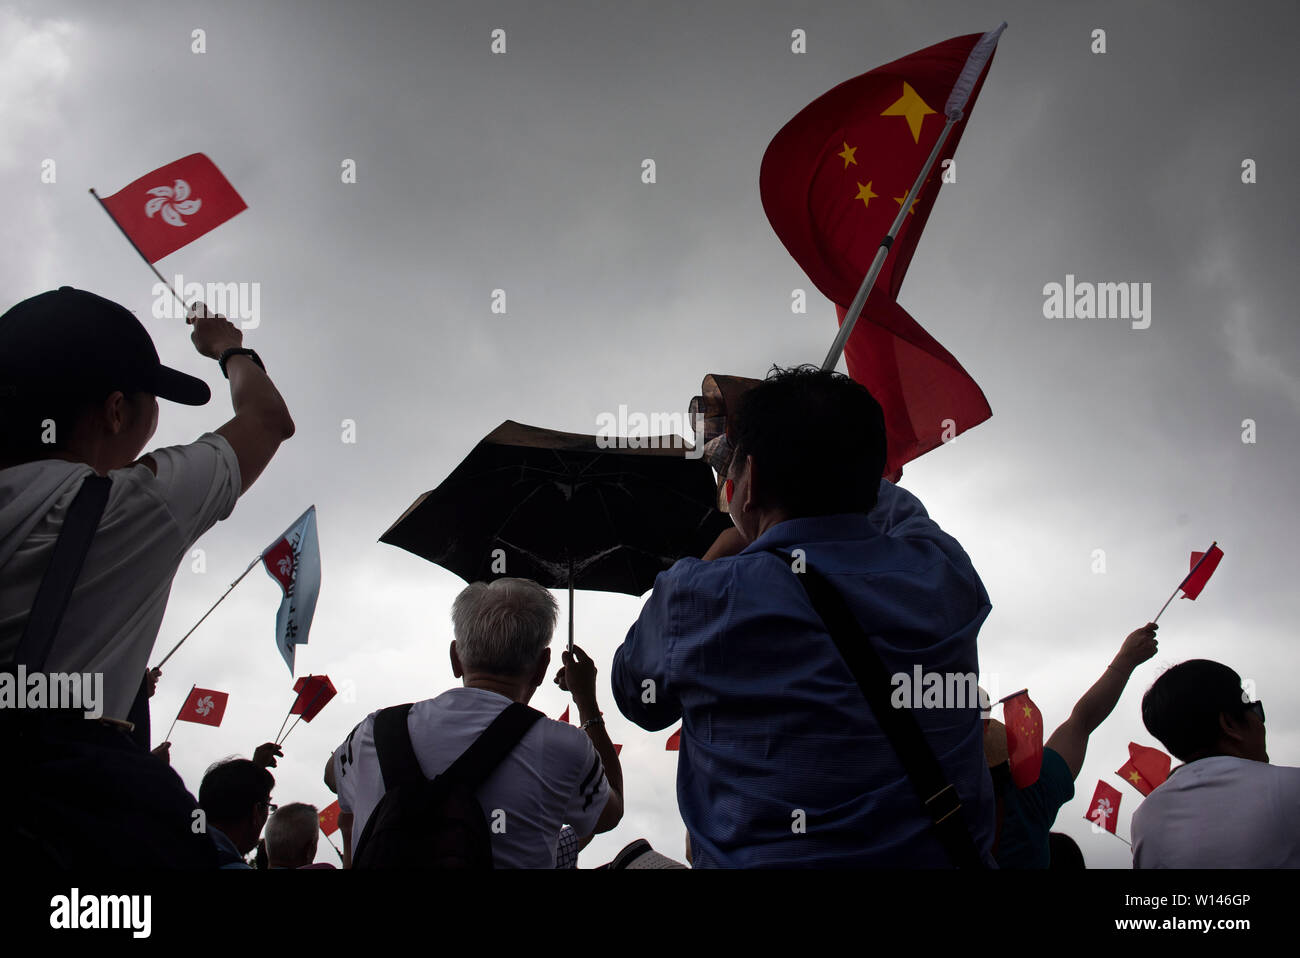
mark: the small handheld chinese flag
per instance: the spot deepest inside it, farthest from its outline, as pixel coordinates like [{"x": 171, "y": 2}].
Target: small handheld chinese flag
[
  {"x": 564, "y": 716},
  {"x": 1203, "y": 566},
  {"x": 174, "y": 205},
  {"x": 329, "y": 818},
  {"x": 1024, "y": 738},
  {"x": 313, "y": 692},
  {"x": 1146, "y": 767},
  {"x": 1104, "y": 810},
  {"x": 204, "y": 706},
  {"x": 674, "y": 743}
]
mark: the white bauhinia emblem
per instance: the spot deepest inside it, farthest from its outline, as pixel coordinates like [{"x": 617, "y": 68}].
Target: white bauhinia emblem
[
  {"x": 204, "y": 705},
  {"x": 1101, "y": 813},
  {"x": 173, "y": 202},
  {"x": 285, "y": 565}
]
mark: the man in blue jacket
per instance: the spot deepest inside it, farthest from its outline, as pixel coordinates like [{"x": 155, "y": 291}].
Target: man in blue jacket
[{"x": 782, "y": 761}]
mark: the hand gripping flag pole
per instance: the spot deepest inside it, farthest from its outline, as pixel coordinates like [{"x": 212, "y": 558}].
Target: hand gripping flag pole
[{"x": 954, "y": 111}]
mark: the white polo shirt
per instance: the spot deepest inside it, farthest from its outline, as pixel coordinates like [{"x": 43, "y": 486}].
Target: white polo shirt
[
  {"x": 552, "y": 778},
  {"x": 148, "y": 526},
  {"x": 1221, "y": 812}
]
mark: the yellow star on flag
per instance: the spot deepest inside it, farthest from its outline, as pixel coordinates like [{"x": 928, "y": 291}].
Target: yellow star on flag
[
  {"x": 847, "y": 155},
  {"x": 865, "y": 194},
  {"x": 1134, "y": 776},
  {"x": 912, "y": 209},
  {"x": 912, "y": 107},
  {"x": 1028, "y": 711}
]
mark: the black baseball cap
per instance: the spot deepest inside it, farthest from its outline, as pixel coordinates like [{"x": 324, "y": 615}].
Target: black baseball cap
[{"x": 71, "y": 339}]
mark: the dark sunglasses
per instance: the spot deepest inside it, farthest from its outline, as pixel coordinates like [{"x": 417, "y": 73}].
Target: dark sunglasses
[{"x": 1257, "y": 708}]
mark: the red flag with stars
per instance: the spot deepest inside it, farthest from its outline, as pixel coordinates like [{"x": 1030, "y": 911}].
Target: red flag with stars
[
  {"x": 174, "y": 205},
  {"x": 1024, "y": 738},
  {"x": 832, "y": 182},
  {"x": 1104, "y": 810},
  {"x": 1146, "y": 768},
  {"x": 329, "y": 818}
]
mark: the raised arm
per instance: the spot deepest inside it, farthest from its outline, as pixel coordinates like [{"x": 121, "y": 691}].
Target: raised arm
[
  {"x": 262, "y": 419},
  {"x": 578, "y": 678},
  {"x": 1070, "y": 741}
]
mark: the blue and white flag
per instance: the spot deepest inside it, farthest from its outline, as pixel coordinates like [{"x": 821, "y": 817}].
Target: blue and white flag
[{"x": 293, "y": 561}]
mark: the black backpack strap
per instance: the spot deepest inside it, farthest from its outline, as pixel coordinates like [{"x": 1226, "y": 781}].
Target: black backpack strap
[
  {"x": 61, "y": 575},
  {"x": 490, "y": 749},
  {"x": 899, "y": 724},
  {"x": 398, "y": 763}
]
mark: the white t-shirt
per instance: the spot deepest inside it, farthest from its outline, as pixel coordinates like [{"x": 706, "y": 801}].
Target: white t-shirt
[
  {"x": 148, "y": 526},
  {"x": 552, "y": 778},
  {"x": 1221, "y": 812}
]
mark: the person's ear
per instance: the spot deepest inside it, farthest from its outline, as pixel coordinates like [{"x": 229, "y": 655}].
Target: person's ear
[
  {"x": 456, "y": 669},
  {"x": 751, "y": 485},
  {"x": 1231, "y": 730},
  {"x": 543, "y": 666},
  {"x": 117, "y": 412}
]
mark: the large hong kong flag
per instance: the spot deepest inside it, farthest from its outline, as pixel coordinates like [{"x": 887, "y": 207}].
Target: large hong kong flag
[
  {"x": 1024, "y": 738},
  {"x": 1104, "y": 810},
  {"x": 293, "y": 561},
  {"x": 174, "y": 205},
  {"x": 204, "y": 706},
  {"x": 314, "y": 691},
  {"x": 1146, "y": 768},
  {"x": 329, "y": 818},
  {"x": 834, "y": 179},
  {"x": 1203, "y": 566}
]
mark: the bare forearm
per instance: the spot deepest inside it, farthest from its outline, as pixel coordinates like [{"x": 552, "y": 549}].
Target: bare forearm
[
  {"x": 604, "y": 747},
  {"x": 252, "y": 394},
  {"x": 1100, "y": 700}
]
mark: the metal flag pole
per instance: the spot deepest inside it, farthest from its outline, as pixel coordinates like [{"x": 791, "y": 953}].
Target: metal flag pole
[
  {"x": 138, "y": 250},
  {"x": 168, "y": 737},
  {"x": 570, "y": 605},
  {"x": 209, "y": 612},
  {"x": 954, "y": 110},
  {"x": 306, "y": 709},
  {"x": 1205, "y": 556}
]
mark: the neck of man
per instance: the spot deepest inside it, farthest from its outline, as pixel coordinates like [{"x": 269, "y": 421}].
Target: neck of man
[{"x": 516, "y": 688}]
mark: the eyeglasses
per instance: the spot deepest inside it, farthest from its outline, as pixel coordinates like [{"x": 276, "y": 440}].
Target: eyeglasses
[
  {"x": 270, "y": 808},
  {"x": 1257, "y": 708}
]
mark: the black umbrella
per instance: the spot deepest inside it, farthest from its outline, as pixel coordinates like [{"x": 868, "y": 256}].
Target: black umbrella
[{"x": 567, "y": 510}]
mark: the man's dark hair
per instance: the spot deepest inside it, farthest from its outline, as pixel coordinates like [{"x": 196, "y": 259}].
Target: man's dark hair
[
  {"x": 818, "y": 439},
  {"x": 1183, "y": 706},
  {"x": 231, "y": 788},
  {"x": 23, "y": 418},
  {"x": 1066, "y": 855}
]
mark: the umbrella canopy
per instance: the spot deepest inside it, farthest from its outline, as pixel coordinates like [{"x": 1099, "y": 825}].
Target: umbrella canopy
[{"x": 560, "y": 508}]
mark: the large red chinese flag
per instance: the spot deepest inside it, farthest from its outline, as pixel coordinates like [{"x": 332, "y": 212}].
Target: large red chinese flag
[
  {"x": 1201, "y": 571},
  {"x": 204, "y": 706},
  {"x": 329, "y": 818},
  {"x": 1146, "y": 768},
  {"x": 174, "y": 205},
  {"x": 832, "y": 182},
  {"x": 313, "y": 692},
  {"x": 1024, "y": 738},
  {"x": 1104, "y": 810}
]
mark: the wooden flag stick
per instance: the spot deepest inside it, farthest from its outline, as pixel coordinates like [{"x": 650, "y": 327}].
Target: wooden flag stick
[
  {"x": 305, "y": 710},
  {"x": 208, "y": 613},
  {"x": 138, "y": 250},
  {"x": 178, "y": 714},
  {"x": 276, "y": 740},
  {"x": 1205, "y": 556}
]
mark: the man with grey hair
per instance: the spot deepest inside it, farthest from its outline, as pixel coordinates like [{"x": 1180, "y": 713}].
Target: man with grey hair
[
  {"x": 291, "y": 836},
  {"x": 555, "y": 775}
]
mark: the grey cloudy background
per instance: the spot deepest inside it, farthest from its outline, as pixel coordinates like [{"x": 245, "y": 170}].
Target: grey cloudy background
[{"x": 522, "y": 172}]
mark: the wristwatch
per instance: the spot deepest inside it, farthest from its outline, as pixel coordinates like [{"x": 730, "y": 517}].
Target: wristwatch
[{"x": 238, "y": 351}]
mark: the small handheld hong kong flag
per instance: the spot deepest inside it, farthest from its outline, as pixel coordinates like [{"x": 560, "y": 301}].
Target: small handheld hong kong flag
[
  {"x": 204, "y": 706},
  {"x": 329, "y": 818},
  {"x": 174, "y": 205},
  {"x": 674, "y": 743},
  {"x": 313, "y": 692},
  {"x": 1024, "y": 738},
  {"x": 1146, "y": 768},
  {"x": 1104, "y": 810},
  {"x": 293, "y": 561}
]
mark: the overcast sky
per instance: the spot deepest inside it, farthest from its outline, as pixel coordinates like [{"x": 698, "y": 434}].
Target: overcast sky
[{"x": 522, "y": 172}]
